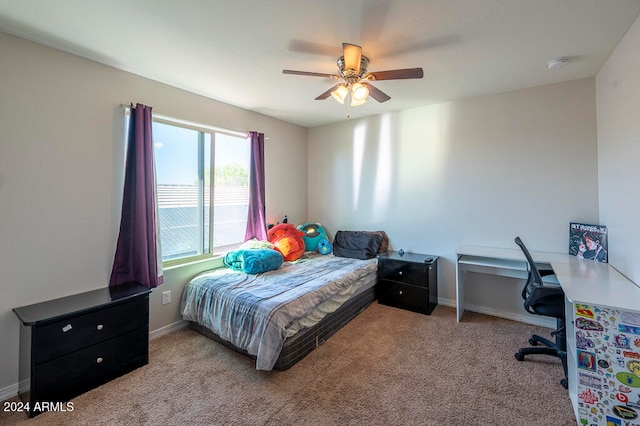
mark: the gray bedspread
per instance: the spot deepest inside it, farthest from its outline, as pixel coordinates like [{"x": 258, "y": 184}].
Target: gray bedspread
[{"x": 253, "y": 311}]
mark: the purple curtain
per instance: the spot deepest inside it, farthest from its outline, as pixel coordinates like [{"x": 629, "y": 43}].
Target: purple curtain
[
  {"x": 136, "y": 258},
  {"x": 256, "y": 223}
]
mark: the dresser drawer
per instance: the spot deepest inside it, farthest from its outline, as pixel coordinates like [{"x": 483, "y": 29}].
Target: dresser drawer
[
  {"x": 68, "y": 335},
  {"x": 406, "y": 272},
  {"x": 68, "y": 376},
  {"x": 405, "y": 296}
]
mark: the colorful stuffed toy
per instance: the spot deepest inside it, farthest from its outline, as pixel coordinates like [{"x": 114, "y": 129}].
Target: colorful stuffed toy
[
  {"x": 313, "y": 233},
  {"x": 287, "y": 240},
  {"x": 324, "y": 246}
]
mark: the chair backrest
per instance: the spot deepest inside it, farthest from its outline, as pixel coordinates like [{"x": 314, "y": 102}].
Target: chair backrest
[
  {"x": 539, "y": 298},
  {"x": 533, "y": 269},
  {"x": 534, "y": 280}
]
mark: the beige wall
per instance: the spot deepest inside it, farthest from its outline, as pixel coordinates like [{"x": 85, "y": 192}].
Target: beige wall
[
  {"x": 61, "y": 169},
  {"x": 618, "y": 95},
  {"x": 479, "y": 171}
]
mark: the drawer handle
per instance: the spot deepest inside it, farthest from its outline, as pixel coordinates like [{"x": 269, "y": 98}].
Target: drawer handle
[
  {"x": 100, "y": 327},
  {"x": 400, "y": 292},
  {"x": 99, "y": 360},
  {"x": 400, "y": 273}
]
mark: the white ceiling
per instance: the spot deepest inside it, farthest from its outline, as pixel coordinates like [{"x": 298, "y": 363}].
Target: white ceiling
[{"x": 234, "y": 50}]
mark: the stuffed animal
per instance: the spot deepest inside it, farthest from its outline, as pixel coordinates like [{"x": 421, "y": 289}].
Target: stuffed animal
[
  {"x": 324, "y": 246},
  {"x": 313, "y": 233},
  {"x": 287, "y": 240}
]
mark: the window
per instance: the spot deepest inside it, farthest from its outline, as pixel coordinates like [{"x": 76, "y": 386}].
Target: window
[{"x": 184, "y": 153}]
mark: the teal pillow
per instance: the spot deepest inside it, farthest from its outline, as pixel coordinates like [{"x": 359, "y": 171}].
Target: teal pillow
[{"x": 253, "y": 261}]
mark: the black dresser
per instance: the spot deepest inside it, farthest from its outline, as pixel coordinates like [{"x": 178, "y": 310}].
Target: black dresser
[
  {"x": 408, "y": 281},
  {"x": 76, "y": 343}
]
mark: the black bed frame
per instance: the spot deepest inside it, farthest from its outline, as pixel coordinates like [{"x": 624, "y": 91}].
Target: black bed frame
[{"x": 299, "y": 345}]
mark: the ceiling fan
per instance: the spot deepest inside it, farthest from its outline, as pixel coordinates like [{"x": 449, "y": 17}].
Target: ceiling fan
[{"x": 352, "y": 68}]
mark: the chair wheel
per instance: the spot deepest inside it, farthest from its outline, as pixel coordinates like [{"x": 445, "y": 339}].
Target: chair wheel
[
  {"x": 533, "y": 342},
  {"x": 564, "y": 383},
  {"x": 519, "y": 356}
]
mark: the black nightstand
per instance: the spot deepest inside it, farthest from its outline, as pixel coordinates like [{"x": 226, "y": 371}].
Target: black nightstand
[{"x": 408, "y": 281}]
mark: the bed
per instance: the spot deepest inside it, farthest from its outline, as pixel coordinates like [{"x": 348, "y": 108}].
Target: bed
[{"x": 279, "y": 316}]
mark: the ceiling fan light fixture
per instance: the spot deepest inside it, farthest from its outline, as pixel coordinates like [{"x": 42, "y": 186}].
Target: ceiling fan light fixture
[
  {"x": 356, "y": 102},
  {"x": 356, "y": 86},
  {"x": 359, "y": 92},
  {"x": 340, "y": 93},
  {"x": 352, "y": 57}
]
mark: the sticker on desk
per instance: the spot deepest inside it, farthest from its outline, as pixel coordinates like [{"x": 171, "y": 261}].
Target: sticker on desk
[
  {"x": 66, "y": 328},
  {"x": 628, "y": 379},
  {"x": 587, "y": 324},
  {"x": 622, "y": 398},
  {"x": 621, "y": 341},
  {"x": 632, "y": 404},
  {"x": 634, "y": 355},
  {"x": 631, "y": 318},
  {"x": 629, "y": 329},
  {"x": 612, "y": 421},
  {"x": 587, "y": 361},
  {"x": 589, "y": 380},
  {"x": 588, "y": 397},
  {"x": 582, "y": 342},
  {"x": 624, "y": 412},
  {"x": 584, "y": 310}
]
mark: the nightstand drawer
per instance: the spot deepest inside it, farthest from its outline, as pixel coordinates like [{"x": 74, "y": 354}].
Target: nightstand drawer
[
  {"x": 405, "y": 296},
  {"x": 406, "y": 272},
  {"x": 68, "y": 335},
  {"x": 68, "y": 376}
]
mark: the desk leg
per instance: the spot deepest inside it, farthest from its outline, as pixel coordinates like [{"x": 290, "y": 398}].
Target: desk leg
[
  {"x": 459, "y": 290},
  {"x": 572, "y": 362}
]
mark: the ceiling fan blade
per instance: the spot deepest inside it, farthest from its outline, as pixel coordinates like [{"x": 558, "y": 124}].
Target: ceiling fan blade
[
  {"x": 313, "y": 74},
  {"x": 312, "y": 48},
  {"x": 376, "y": 93},
  {"x": 396, "y": 74},
  {"x": 326, "y": 94},
  {"x": 352, "y": 56}
]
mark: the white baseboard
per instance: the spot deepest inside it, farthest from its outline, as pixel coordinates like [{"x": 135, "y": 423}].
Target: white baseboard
[
  {"x": 514, "y": 316},
  {"x": 447, "y": 302},
  {"x": 8, "y": 392},
  {"x": 167, "y": 329}
]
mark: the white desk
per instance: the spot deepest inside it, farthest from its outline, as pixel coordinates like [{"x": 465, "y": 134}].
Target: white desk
[
  {"x": 496, "y": 261},
  {"x": 603, "y": 303}
]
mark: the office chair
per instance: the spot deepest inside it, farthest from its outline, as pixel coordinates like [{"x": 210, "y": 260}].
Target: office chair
[{"x": 542, "y": 298}]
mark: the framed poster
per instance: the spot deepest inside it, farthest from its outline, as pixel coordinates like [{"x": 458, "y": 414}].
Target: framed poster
[{"x": 588, "y": 241}]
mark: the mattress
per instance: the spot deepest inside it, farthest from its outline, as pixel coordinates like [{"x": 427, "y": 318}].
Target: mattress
[
  {"x": 298, "y": 346},
  {"x": 258, "y": 314},
  {"x": 306, "y": 340}
]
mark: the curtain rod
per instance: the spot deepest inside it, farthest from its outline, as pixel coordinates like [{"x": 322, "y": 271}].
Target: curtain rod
[{"x": 194, "y": 125}]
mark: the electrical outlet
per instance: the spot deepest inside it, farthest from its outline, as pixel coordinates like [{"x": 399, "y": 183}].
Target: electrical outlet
[{"x": 166, "y": 297}]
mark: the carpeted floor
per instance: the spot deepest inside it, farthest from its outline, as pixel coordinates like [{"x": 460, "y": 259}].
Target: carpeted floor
[{"x": 386, "y": 367}]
